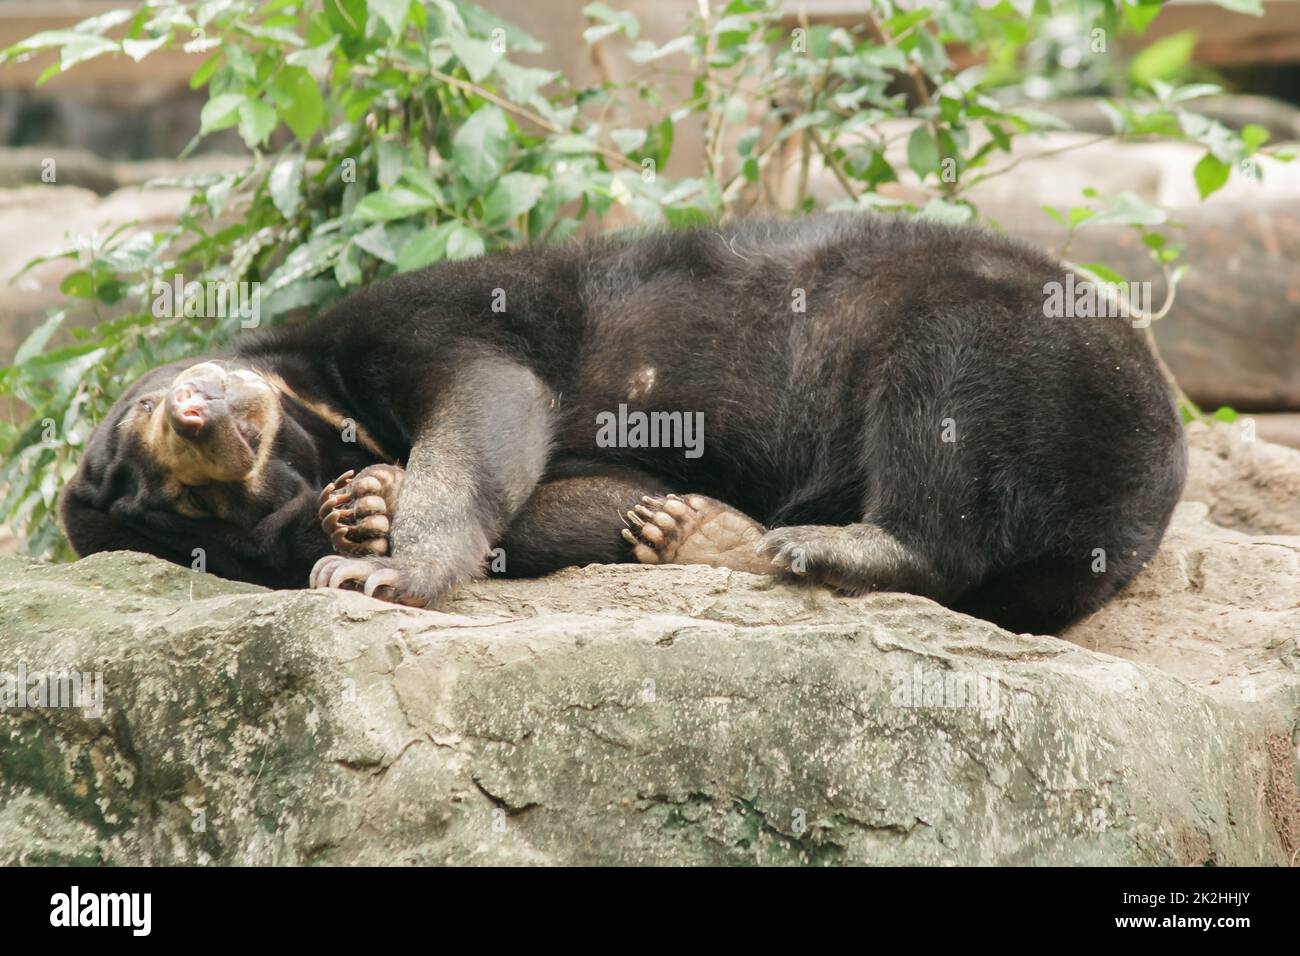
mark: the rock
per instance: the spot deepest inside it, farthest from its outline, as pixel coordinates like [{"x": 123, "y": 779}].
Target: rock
[
  {"x": 1219, "y": 605},
  {"x": 126, "y": 112},
  {"x": 1219, "y": 609},
  {"x": 606, "y": 715},
  {"x": 1282, "y": 428},
  {"x": 1233, "y": 335},
  {"x": 35, "y": 165},
  {"x": 1248, "y": 484},
  {"x": 42, "y": 220},
  {"x": 1055, "y": 167}
]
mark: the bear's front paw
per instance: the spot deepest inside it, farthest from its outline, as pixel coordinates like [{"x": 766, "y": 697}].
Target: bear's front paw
[
  {"x": 398, "y": 581},
  {"x": 357, "y": 511}
]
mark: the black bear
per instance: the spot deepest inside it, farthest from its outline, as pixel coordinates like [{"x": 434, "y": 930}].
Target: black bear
[{"x": 870, "y": 403}]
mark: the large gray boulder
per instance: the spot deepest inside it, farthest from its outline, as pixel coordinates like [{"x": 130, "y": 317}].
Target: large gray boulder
[
  {"x": 604, "y": 715},
  {"x": 668, "y": 715}
]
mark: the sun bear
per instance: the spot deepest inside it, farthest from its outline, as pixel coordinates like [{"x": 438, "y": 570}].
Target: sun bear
[{"x": 870, "y": 403}]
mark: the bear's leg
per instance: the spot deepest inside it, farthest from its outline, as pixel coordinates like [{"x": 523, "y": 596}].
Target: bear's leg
[
  {"x": 479, "y": 451},
  {"x": 855, "y": 558},
  {"x": 584, "y": 519},
  {"x": 574, "y": 520}
]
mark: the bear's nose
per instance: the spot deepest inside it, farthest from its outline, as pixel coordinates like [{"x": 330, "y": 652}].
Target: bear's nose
[{"x": 188, "y": 407}]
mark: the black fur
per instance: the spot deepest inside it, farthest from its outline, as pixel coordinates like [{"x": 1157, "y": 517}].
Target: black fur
[{"x": 1067, "y": 440}]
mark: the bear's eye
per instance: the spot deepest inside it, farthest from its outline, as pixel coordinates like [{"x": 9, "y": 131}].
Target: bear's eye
[{"x": 146, "y": 404}]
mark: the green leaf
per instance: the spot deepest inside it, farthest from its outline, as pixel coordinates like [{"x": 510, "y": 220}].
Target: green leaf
[
  {"x": 299, "y": 101},
  {"x": 1129, "y": 210},
  {"x": 1103, "y": 272},
  {"x": 573, "y": 144},
  {"x": 35, "y": 343},
  {"x": 483, "y": 23},
  {"x": 139, "y": 49},
  {"x": 43, "y": 41},
  {"x": 513, "y": 195},
  {"x": 522, "y": 82},
  {"x": 1138, "y": 15},
  {"x": 85, "y": 47},
  {"x": 347, "y": 269},
  {"x": 922, "y": 152},
  {"x": 392, "y": 12},
  {"x": 1194, "y": 91},
  {"x": 463, "y": 243},
  {"x": 256, "y": 120},
  {"x": 310, "y": 294},
  {"x": 645, "y": 52},
  {"x": 612, "y": 21},
  {"x": 905, "y": 21},
  {"x": 375, "y": 241},
  {"x": 104, "y": 21},
  {"x": 220, "y": 112},
  {"x": 241, "y": 63},
  {"x": 285, "y": 184},
  {"x": 79, "y": 284},
  {"x": 476, "y": 56},
  {"x": 313, "y": 56},
  {"x": 480, "y": 146},
  {"x": 937, "y": 210},
  {"x": 395, "y": 203},
  {"x": 628, "y": 139},
  {"x": 1079, "y": 215},
  {"x": 1163, "y": 59},
  {"x": 392, "y": 157},
  {"x": 1211, "y": 173},
  {"x": 205, "y": 70},
  {"x": 306, "y": 260},
  {"x": 425, "y": 247},
  {"x": 419, "y": 180},
  {"x": 347, "y": 17},
  {"x": 1254, "y": 136}
]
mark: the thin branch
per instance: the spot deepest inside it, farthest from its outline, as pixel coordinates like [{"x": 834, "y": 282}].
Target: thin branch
[
  {"x": 1040, "y": 155},
  {"x": 834, "y": 166}
]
